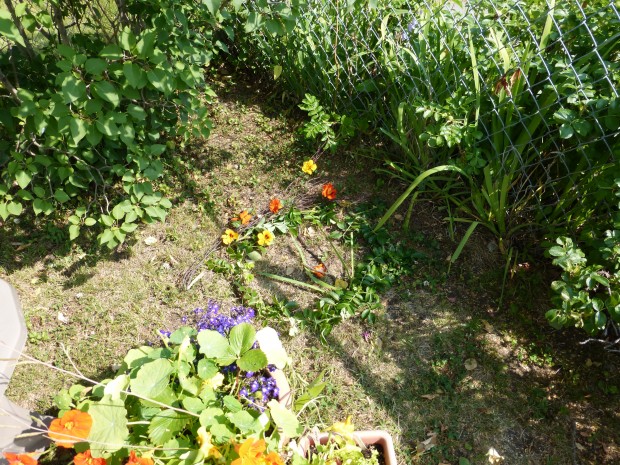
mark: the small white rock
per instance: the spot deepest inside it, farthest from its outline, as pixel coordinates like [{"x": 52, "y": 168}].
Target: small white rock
[
  {"x": 150, "y": 240},
  {"x": 62, "y": 318}
]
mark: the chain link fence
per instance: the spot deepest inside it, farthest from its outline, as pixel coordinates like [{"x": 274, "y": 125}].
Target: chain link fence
[{"x": 523, "y": 92}]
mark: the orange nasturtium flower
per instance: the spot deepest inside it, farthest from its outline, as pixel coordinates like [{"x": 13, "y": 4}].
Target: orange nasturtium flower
[
  {"x": 134, "y": 460},
  {"x": 244, "y": 217},
  {"x": 319, "y": 270},
  {"x": 329, "y": 191},
  {"x": 275, "y": 206},
  {"x": 265, "y": 238},
  {"x": 74, "y": 426},
  {"x": 229, "y": 236},
  {"x": 87, "y": 459},
  {"x": 309, "y": 167},
  {"x": 273, "y": 458},
  {"x": 250, "y": 452},
  {"x": 20, "y": 459}
]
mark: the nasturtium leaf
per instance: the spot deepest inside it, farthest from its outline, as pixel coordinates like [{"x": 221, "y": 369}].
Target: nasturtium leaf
[
  {"x": 95, "y": 66},
  {"x": 221, "y": 433},
  {"x": 241, "y": 338},
  {"x": 253, "y": 360},
  {"x": 109, "y": 431},
  {"x": 211, "y": 416},
  {"x": 63, "y": 400},
  {"x": 243, "y": 420},
  {"x": 111, "y": 52},
  {"x": 23, "y": 178},
  {"x": 179, "y": 335},
  {"x": 232, "y": 404},
  {"x": 193, "y": 404},
  {"x": 213, "y": 344},
  {"x": 107, "y": 91},
  {"x": 285, "y": 419},
  {"x": 152, "y": 378},
  {"x": 190, "y": 384},
  {"x": 165, "y": 425},
  {"x": 206, "y": 369}
]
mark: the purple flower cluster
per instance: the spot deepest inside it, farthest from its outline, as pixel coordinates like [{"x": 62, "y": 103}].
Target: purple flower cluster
[
  {"x": 211, "y": 318},
  {"x": 259, "y": 388}
]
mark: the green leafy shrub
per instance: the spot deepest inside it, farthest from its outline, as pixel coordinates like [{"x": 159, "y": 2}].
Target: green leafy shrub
[
  {"x": 93, "y": 108},
  {"x": 587, "y": 295}
]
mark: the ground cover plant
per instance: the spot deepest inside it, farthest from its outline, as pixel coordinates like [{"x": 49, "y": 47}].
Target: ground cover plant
[{"x": 442, "y": 368}]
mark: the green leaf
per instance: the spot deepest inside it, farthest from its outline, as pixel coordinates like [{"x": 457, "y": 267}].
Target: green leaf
[
  {"x": 74, "y": 232},
  {"x": 179, "y": 335},
  {"x": 207, "y": 369},
  {"x": 221, "y": 433},
  {"x": 277, "y": 72},
  {"x": 213, "y": 5},
  {"x": 61, "y": 196},
  {"x": 8, "y": 29},
  {"x": 107, "y": 91},
  {"x": 111, "y": 52},
  {"x": 72, "y": 88},
  {"x": 114, "y": 387},
  {"x": 127, "y": 39},
  {"x": 161, "y": 80},
  {"x": 42, "y": 206},
  {"x": 193, "y": 404},
  {"x": 232, "y": 404},
  {"x": 216, "y": 346},
  {"x": 254, "y": 255},
  {"x": 566, "y": 131},
  {"x": 78, "y": 129},
  {"x": 23, "y": 178},
  {"x": 252, "y": 360},
  {"x": 95, "y": 66},
  {"x": 242, "y": 420},
  {"x": 167, "y": 424},
  {"x": 136, "y": 77},
  {"x": 241, "y": 338},
  {"x": 4, "y": 212},
  {"x": 109, "y": 431},
  {"x": 137, "y": 112},
  {"x": 14, "y": 208},
  {"x": 152, "y": 378},
  {"x": 285, "y": 419},
  {"x": 211, "y": 416}
]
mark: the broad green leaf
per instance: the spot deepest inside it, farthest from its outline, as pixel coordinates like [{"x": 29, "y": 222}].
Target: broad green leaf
[
  {"x": 221, "y": 433},
  {"x": 241, "y": 338},
  {"x": 111, "y": 52},
  {"x": 253, "y": 360},
  {"x": 4, "y": 212},
  {"x": 74, "y": 232},
  {"x": 214, "y": 345},
  {"x": 285, "y": 419},
  {"x": 72, "y": 88},
  {"x": 109, "y": 431},
  {"x": 8, "y": 29},
  {"x": 78, "y": 129},
  {"x": 161, "y": 80},
  {"x": 193, "y": 404},
  {"x": 61, "y": 196},
  {"x": 211, "y": 416},
  {"x": 14, "y": 208},
  {"x": 152, "y": 378},
  {"x": 42, "y": 206},
  {"x": 277, "y": 71},
  {"x": 107, "y": 91},
  {"x": 95, "y": 66},
  {"x": 23, "y": 178},
  {"x": 165, "y": 425},
  {"x": 232, "y": 404},
  {"x": 136, "y": 77},
  {"x": 213, "y": 5},
  {"x": 127, "y": 39},
  {"x": 137, "y": 357},
  {"x": 137, "y": 112},
  {"x": 180, "y": 334}
]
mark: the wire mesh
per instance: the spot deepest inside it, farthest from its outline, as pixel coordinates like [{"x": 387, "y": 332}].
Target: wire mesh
[{"x": 529, "y": 87}]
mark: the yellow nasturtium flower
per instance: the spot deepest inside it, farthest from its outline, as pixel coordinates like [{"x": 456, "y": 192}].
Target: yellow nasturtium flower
[
  {"x": 229, "y": 236},
  {"x": 206, "y": 446},
  {"x": 265, "y": 238},
  {"x": 309, "y": 167},
  {"x": 344, "y": 429}
]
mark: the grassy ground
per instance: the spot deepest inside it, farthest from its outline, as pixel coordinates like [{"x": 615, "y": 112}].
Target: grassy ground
[{"x": 445, "y": 371}]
